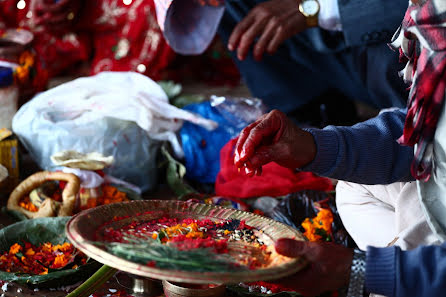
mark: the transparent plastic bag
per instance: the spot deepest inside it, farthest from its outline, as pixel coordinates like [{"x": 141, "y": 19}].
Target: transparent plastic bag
[{"x": 121, "y": 114}]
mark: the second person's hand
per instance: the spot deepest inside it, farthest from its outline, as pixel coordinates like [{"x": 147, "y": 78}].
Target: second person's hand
[{"x": 272, "y": 22}]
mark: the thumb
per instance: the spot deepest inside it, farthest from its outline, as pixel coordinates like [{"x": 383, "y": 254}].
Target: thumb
[
  {"x": 291, "y": 248},
  {"x": 269, "y": 153}
]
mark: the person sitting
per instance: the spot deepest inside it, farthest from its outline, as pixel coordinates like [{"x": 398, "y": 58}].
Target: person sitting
[
  {"x": 289, "y": 57},
  {"x": 376, "y": 152}
]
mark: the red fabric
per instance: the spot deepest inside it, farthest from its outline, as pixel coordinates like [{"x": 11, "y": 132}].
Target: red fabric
[
  {"x": 424, "y": 22},
  {"x": 112, "y": 36},
  {"x": 274, "y": 181}
]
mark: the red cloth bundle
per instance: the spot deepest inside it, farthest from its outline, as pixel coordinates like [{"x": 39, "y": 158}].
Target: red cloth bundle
[{"x": 274, "y": 181}]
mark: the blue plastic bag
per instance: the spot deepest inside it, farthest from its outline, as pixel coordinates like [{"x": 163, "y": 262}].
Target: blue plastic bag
[{"x": 202, "y": 147}]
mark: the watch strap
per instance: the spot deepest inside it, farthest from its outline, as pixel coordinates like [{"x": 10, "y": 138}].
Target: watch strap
[
  {"x": 357, "y": 274},
  {"x": 312, "y": 21}
]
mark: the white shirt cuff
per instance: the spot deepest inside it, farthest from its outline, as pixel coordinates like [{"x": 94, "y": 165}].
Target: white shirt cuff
[{"x": 329, "y": 17}]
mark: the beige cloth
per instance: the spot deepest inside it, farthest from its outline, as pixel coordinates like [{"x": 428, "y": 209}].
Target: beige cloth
[{"x": 383, "y": 215}]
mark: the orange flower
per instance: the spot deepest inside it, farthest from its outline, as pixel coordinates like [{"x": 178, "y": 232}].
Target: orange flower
[
  {"x": 63, "y": 248},
  {"x": 60, "y": 261},
  {"x": 45, "y": 271},
  {"x": 15, "y": 248},
  {"x": 30, "y": 252},
  {"x": 28, "y": 205},
  {"x": 319, "y": 225},
  {"x": 26, "y": 59}
]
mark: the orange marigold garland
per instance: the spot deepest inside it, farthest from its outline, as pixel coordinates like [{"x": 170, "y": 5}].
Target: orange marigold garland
[{"x": 31, "y": 259}]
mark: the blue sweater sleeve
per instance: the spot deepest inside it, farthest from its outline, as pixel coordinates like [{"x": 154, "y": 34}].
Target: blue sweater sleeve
[
  {"x": 420, "y": 272},
  {"x": 366, "y": 153}
]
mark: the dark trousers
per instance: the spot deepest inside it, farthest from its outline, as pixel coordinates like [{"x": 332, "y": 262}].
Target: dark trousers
[{"x": 314, "y": 62}]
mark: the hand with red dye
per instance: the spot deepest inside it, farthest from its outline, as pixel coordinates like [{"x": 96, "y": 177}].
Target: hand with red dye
[
  {"x": 55, "y": 13},
  {"x": 273, "y": 138},
  {"x": 328, "y": 268},
  {"x": 272, "y": 22}
]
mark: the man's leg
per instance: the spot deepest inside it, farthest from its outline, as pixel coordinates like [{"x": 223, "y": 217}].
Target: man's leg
[
  {"x": 382, "y": 215},
  {"x": 313, "y": 62}
]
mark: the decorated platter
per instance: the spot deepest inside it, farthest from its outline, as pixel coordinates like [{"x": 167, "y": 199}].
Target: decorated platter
[{"x": 184, "y": 241}]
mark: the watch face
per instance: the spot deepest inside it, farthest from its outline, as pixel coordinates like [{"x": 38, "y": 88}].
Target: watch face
[{"x": 311, "y": 7}]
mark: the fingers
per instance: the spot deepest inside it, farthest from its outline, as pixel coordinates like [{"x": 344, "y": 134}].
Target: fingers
[
  {"x": 265, "y": 131},
  {"x": 267, "y": 128},
  {"x": 263, "y": 156},
  {"x": 239, "y": 30},
  {"x": 241, "y": 141},
  {"x": 276, "y": 41},
  {"x": 265, "y": 39},
  {"x": 291, "y": 248},
  {"x": 248, "y": 37}
]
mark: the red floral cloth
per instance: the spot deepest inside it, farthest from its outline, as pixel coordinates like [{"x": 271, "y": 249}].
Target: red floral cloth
[
  {"x": 274, "y": 181},
  {"x": 111, "y": 35},
  {"x": 422, "y": 43}
]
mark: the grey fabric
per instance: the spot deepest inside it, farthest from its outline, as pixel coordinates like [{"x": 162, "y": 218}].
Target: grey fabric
[
  {"x": 370, "y": 21},
  {"x": 433, "y": 192}
]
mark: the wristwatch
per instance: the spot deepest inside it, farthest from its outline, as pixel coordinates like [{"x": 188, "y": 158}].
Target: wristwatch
[
  {"x": 310, "y": 9},
  {"x": 357, "y": 274}
]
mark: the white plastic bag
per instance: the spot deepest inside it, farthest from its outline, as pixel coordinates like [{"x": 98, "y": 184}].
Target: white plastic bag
[{"x": 119, "y": 114}]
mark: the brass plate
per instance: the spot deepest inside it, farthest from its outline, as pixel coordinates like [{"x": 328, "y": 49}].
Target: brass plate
[{"x": 86, "y": 227}]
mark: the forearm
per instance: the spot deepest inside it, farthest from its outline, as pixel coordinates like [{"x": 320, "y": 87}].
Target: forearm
[
  {"x": 366, "y": 153},
  {"x": 420, "y": 272}
]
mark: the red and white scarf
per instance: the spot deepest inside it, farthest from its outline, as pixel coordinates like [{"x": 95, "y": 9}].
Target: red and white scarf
[{"x": 421, "y": 40}]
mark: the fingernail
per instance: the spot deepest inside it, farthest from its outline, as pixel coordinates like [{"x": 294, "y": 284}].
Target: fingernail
[
  {"x": 230, "y": 47},
  {"x": 236, "y": 157},
  {"x": 249, "y": 172}
]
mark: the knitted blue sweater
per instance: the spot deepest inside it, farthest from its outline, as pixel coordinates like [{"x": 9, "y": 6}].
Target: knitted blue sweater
[{"x": 368, "y": 153}]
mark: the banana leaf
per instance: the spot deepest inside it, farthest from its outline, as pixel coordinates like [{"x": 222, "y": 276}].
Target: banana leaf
[
  {"x": 38, "y": 231},
  {"x": 175, "y": 175}
]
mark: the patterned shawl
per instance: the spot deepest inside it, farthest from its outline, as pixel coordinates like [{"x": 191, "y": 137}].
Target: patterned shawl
[{"x": 421, "y": 40}]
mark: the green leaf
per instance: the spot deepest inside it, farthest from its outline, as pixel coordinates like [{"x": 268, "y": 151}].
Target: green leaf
[
  {"x": 170, "y": 88},
  {"x": 175, "y": 175},
  {"x": 39, "y": 231},
  {"x": 183, "y": 100}
]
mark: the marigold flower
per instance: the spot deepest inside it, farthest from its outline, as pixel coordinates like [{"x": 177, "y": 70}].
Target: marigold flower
[
  {"x": 60, "y": 261},
  {"x": 15, "y": 248}
]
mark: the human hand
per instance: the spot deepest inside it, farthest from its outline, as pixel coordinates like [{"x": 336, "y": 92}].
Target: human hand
[
  {"x": 54, "y": 12},
  {"x": 328, "y": 269},
  {"x": 272, "y": 22},
  {"x": 273, "y": 138}
]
